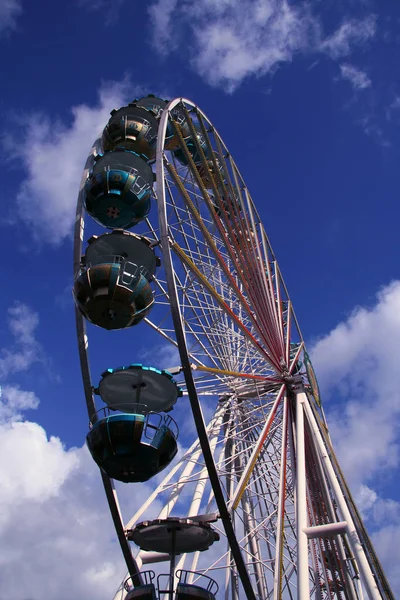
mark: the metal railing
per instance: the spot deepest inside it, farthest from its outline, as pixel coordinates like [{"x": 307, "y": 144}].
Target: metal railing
[
  {"x": 147, "y": 576},
  {"x": 129, "y": 271},
  {"x": 153, "y": 421},
  {"x": 205, "y": 582}
]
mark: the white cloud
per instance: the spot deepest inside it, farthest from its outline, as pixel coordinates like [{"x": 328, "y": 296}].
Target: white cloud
[
  {"x": 232, "y": 40},
  {"x": 396, "y": 103},
  {"x": 56, "y": 534},
  {"x": 23, "y": 322},
  {"x": 371, "y": 127},
  {"x": 358, "y": 79},
  {"x": 53, "y": 156},
  {"x": 386, "y": 510},
  {"x": 386, "y": 542},
  {"x": 167, "y": 355},
  {"x": 13, "y": 401},
  {"x": 383, "y": 517},
  {"x": 36, "y": 467},
  {"x": 358, "y": 361},
  {"x": 25, "y": 350},
  {"x": 351, "y": 33},
  {"x": 109, "y": 11},
  {"x": 365, "y": 499},
  {"x": 10, "y": 10},
  {"x": 161, "y": 17}
]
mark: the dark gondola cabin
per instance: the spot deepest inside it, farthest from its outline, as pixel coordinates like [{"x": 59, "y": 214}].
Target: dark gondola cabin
[{"x": 118, "y": 190}]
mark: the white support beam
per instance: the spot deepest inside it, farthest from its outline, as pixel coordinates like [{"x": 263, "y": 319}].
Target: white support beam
[
  {"x": 303, "y": 581},
  {"x": 281, "y": 507},
  {"x": 154, "y": 557},
  {"x": 354, "y": 541},
  {"x": 327, "y": 530}
]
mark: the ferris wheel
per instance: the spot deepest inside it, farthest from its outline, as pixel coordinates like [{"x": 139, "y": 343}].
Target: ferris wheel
[{"x": 257, "y": 507}]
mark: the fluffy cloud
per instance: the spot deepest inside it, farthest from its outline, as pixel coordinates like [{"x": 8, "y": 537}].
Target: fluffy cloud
[
  {"x": 358, "y": 361},
  {"x": 351, "y": 33},
  {"x": 232, "y": 40},
  {"x": 386, "y": 542},
  {"x": 35, "y": 468},
  {"x": 167, "y": 355},
  {"x": 57, "y": 539},
  {"x": 9, "y": 12},
  {"x": 13, "y": 401},
  {"x": 358, "y": 79},
  {"x": 161, "y": 15},
  {"x": 53, "y": 156},
  {"x": 56, "y": 532},
  {"x": 25, "y": 350}
]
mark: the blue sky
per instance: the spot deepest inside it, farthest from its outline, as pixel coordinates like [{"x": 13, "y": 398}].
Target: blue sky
[{"x": 307, "y": 98}]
